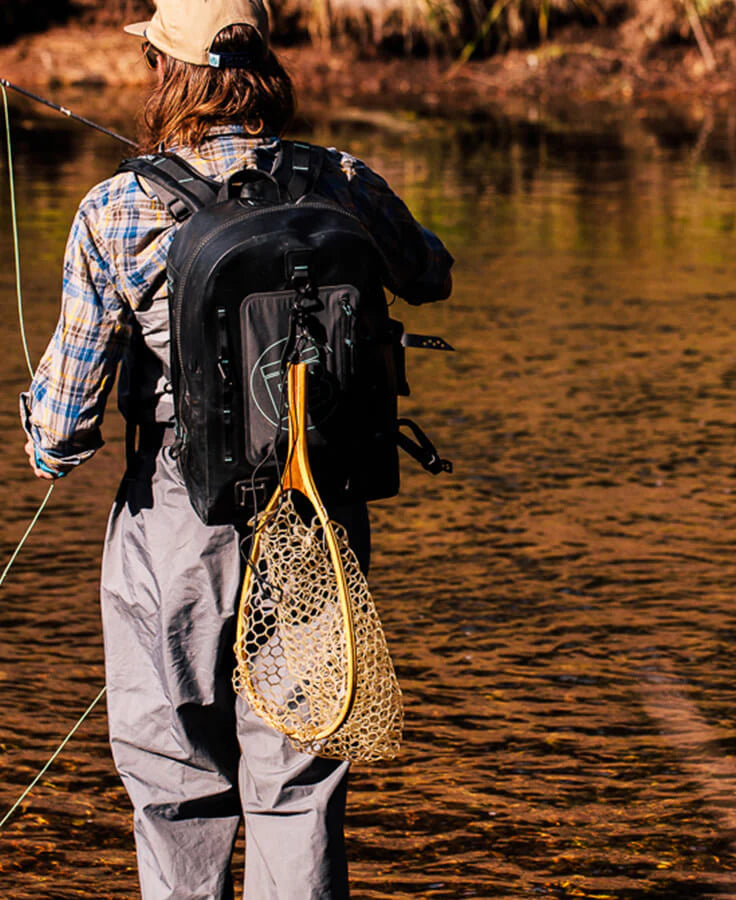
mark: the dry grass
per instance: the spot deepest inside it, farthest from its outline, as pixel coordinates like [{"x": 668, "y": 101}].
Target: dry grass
[
  {"x": 660, "y": 22},
  {"x": 455, "y": 27},
  {"x": 372, "y": 22},
  {"x": 485, "y": 26}
]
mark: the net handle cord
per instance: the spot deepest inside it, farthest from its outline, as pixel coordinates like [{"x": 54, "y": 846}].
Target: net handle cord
[
  {"x": 297, "y": 476},
  {"x": 21, "y": 321}
]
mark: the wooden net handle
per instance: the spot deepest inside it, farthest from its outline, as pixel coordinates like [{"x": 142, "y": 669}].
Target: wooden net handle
[{"x": 297, "y": 476}]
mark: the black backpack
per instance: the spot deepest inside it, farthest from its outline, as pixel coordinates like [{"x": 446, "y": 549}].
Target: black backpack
[{"x": 263, "y": 272}]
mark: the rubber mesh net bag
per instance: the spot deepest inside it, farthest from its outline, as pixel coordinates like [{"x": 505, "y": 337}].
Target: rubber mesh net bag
[{"x": 334, "y": 694}]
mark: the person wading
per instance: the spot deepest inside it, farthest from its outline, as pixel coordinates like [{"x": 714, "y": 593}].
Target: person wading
[{"x": 192, "y": 756}]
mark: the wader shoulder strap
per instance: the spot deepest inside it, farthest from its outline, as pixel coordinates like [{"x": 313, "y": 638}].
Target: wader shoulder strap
[{"x": 180, "y": 187}]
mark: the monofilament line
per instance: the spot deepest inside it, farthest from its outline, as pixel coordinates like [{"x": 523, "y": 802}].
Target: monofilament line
[
  {"x": 25, "y": 536},
  {"x": 21, "y": 317},
  {"x": 45, "y": 769},
  {"x": 16, "y": 242},
  {"x": 21, "y": 321}
]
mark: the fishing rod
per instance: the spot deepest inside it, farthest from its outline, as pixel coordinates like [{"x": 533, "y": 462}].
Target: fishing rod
[{"x": 67, "y": 112}]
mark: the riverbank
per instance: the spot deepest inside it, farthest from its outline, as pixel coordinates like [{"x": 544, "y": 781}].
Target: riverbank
[{"x": 583, "y": 69}]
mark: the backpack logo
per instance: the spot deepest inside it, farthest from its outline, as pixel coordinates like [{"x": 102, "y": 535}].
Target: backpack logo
[{"x": 267, "y": 384}]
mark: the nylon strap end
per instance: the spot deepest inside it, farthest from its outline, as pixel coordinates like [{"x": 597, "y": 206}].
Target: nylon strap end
[{"x": 421, "y": 449}]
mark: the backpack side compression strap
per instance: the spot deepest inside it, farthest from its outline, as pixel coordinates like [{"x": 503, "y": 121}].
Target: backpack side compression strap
[
  {"x": 422, "y": 449},
  {"x": 180, "y": 187}
]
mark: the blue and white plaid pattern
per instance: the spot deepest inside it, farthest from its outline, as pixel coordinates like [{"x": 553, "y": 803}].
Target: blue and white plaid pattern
[{"x": 115, "y": 264}]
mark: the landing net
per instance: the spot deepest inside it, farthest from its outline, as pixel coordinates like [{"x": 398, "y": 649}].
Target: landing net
[{"x": 293, "y": 661}]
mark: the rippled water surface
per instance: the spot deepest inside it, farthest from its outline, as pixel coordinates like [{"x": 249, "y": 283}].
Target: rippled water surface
[{"x": 560, "y": 609}]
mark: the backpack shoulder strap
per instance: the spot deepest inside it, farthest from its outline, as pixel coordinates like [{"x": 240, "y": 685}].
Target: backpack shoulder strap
[
  {"x": 179, "y": 186},
  {"x": 297, "y": 168}
]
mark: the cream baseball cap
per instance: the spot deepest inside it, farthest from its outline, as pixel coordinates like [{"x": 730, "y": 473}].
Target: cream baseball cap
[{"x": 185, "y": 29}]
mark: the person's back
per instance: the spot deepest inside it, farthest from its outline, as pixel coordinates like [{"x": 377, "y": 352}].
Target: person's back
[{"x": 192, "y": 757}]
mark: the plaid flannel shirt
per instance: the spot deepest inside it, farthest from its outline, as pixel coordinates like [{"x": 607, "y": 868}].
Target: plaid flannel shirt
[{"x": 115, "y": 264}]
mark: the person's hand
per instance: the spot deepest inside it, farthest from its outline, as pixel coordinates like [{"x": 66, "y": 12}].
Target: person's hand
[{"x": 30, "y": 449}]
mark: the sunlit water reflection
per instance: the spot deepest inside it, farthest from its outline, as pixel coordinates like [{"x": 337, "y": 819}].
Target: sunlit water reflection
[{"x": 560, "y": 609}]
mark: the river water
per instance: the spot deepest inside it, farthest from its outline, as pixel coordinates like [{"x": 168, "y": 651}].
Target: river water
[{"x": 560, "y": 609}]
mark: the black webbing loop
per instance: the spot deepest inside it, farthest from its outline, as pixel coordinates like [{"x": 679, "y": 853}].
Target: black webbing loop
[
  {"x": 298, "y": 167},
  {"x": 423, "y": 451}
]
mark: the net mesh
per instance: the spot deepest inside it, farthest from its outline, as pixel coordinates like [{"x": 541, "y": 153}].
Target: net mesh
[{"x": 292, "y": 660}]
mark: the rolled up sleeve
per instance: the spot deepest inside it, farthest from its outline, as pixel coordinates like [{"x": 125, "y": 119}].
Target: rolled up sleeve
[{"x": 63, "y": 409}]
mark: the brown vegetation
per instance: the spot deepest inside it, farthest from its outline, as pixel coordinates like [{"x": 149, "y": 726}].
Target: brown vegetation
[
  {"x": 339, "y": 51},
  {"x": 469, "y": 28},
  {"x": 113, "y": 12}
]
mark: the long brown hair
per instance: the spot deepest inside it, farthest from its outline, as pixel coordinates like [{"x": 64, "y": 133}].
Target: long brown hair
[{"x": 190, "y": 99}]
